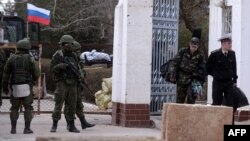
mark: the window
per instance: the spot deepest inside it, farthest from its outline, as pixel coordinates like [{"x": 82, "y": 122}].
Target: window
[{"x": 227, "y": 19}]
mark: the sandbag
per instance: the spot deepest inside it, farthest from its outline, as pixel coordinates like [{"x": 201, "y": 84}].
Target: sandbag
[
  {"x": 107, "y": 85},
  {"x": 103, "y": 98}
]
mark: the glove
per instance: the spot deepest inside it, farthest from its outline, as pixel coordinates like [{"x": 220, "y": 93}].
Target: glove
[{"x": 62, "y": 66}]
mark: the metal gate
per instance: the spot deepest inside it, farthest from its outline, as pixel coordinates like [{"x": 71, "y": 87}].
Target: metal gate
[{"x": 165, "y": 46}]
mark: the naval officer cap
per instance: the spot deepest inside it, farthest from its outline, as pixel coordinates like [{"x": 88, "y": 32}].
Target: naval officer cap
[{"x": 226, "y": 37}]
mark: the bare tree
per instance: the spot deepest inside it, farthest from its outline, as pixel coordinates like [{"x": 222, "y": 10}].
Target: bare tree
[
  {"x": 8, "y": 8},
  {"x": 83, "y": 18},
  {"x": 89, "y": 20},
  {"x": 195, "y": 15},
  {"x": 193, "y": 12}
]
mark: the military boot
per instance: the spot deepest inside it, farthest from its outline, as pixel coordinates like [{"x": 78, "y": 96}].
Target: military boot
[
  {"x": 27, "y": 129},
  {"x": 13, "y": 127},
  {"x": 54, "y": 126},
  {"x": 72, "y": 127},
  {"x": 84, "y": 123}
]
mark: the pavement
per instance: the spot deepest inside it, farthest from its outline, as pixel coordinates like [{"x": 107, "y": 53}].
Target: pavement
[{"x": 42, "y": 123}]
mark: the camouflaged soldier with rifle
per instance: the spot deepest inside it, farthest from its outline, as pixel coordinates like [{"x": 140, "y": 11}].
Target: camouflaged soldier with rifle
[
  {"x": 79, "y": 104},
  {"x": 66, "y": 82},
  {"x": 190, "y": 71},
  {"x": 21, "y": 71}
]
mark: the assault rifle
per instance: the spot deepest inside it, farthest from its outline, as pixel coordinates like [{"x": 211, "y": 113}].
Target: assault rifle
[{"x": 76, "y": 72}]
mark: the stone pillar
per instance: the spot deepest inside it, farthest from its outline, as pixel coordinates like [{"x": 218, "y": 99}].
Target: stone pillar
[
  {"x": 131, "y": 87},
  {"x": 241, "y": 34},
  {"x": 215, "y": 32}
]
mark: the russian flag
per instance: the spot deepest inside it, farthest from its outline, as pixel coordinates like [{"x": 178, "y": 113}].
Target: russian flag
[{"x": 39, "y": 15}]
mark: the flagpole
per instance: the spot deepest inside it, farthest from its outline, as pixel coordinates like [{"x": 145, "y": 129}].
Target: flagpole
[{"x": 27, "y": 29}]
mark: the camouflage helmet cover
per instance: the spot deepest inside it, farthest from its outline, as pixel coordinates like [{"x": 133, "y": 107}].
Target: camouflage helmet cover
[
  {"x": 24, "y": 44},
  {"x": 66, "y": 39},
  {"x": 76, "y": 45}
]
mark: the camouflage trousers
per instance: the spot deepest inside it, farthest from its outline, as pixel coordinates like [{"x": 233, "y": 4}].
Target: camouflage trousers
[
  {"x": 79, "y": 106},
  {"x": 68, "y": 94},
  {"x": 184, "y": 93},
  {"x": 16, "y": 102}
]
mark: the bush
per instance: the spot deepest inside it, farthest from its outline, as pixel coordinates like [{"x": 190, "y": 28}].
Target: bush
[{"x": 94, "y": 81}]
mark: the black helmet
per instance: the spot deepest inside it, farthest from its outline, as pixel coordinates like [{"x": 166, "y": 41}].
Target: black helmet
[{"x": 23, "y": 44}]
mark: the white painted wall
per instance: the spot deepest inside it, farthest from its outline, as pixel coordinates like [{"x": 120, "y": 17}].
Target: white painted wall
[
  {"x": 132, "y": 52},
  {"x": 215, "y": 29},
  {"x": 240, "y": 39},
  {"x": 117, "y": 53}
]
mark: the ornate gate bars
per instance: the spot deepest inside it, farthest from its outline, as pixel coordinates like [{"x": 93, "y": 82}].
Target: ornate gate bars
[{"x": 165, "y": 46}]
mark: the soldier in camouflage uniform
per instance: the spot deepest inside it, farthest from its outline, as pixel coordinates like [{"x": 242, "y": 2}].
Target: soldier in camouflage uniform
[
  {"x": 66, "y": 82},
  {"x": 79, "y": 105},
  {"x": 190, "y": 66},
  {"x": 2, "y": 63},
  {"x": 22, "y": 71}
]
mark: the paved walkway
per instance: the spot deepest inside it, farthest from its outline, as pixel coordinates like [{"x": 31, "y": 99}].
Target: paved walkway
[{"x": 41, "y": 125}]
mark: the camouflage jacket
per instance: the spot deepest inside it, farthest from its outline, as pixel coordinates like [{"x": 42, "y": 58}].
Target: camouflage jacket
[
  {"x": 60, "y": 74},
  {"x": 20, "y": 68},
  {"x": 189, "y": 66}
]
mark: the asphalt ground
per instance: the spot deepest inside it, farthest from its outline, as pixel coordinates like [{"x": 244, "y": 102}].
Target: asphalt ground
[{"x": 42, "y": 123}]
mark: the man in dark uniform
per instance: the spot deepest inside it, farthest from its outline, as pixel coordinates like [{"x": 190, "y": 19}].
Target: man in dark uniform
[
  {"x": 190, "y": 68},
  {"x": 79, "y": 105},
  {"x": 22, "y": 72},
  {"x": 66, "y": 82},
  {"x": 221, "y": 65}
]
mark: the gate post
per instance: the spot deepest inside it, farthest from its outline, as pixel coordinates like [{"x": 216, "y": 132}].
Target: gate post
[{"x": 132, "y": 63}]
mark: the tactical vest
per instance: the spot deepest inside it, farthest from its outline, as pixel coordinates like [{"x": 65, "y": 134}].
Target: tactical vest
[
  {"x": 20, "y": 67},
  {"x": 68, "y": 74}
]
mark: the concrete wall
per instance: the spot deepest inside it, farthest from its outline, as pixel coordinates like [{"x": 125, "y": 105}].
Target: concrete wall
[
  {"x": 131, "y": 78},
  {"x": 193, "y": 122}
]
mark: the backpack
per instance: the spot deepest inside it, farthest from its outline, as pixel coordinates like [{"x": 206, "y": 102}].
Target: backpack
[
  {"x": 240, "y": 98},
  {"x": 167, "y": 71}
]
